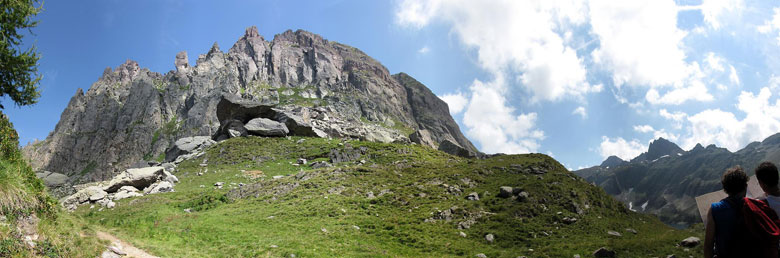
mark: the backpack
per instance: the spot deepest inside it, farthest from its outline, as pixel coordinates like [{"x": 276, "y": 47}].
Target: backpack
[
  {"x": 755, "y": 232},
  {"x": 762, "y": 227}
]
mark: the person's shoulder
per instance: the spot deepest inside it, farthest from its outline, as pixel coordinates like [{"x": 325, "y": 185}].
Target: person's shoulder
[{"x": 719, "y": 204}]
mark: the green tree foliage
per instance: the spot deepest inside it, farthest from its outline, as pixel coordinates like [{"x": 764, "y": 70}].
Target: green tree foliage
[{"x": 19, "y": 76}]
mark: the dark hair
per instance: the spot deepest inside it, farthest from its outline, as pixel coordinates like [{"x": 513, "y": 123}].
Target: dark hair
[
  {"x": 734, "y": 180},
  {"x": 766, "y": 172}
]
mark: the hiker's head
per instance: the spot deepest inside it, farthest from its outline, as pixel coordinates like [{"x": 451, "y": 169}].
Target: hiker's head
[
  {"x": 734, "y": 181},
  {"x": 767, "y": 176}
]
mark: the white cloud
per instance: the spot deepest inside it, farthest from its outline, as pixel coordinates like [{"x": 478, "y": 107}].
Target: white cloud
[
  {"x": 733, "y": 77},
  {"x": 715, "y": 126},
  {"x": 491, "y": 122},
  {"x": 416, "y": 13},
  {"x": 697, "y": 91},
  {"x": 639, "y": 41},
  {"x": 666, "y": 135},
  {"x": 714, "y": 61},
  {"x": 643, "y": 128},
  {"x": 456, "y": 102},
  {"x": 526, "y": 39},
  {"x": 424, "y": 50},
  {"x": 656, "y": 133},
  {"x": 620, "y": 147},
  {"x": 773, "y": 25},
  {"x": 676, "y": 116},
  {"x": 715, "y": 10},
  {"x": 580, "y": 111}
]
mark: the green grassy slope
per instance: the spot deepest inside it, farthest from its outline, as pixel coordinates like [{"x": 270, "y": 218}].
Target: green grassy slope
[
  {"x": 327, "y": 212},
  {"x": 23, "y": 195}
]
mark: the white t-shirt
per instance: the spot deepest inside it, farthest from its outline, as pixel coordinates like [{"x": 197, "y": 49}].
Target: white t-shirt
[{"x": 774, "y": 202}]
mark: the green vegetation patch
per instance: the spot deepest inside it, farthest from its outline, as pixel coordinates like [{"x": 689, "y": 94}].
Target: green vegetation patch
[{"x": 392, "y": 200}]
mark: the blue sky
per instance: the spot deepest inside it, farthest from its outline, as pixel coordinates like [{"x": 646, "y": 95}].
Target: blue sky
[{"x": 577, "y": 79}]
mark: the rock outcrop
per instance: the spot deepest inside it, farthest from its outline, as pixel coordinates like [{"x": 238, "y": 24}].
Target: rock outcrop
[
  {"x": 131, "y": 113},
  {"x": 130, "y": 183}
]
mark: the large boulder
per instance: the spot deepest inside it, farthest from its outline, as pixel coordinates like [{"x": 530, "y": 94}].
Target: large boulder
[
  {"x": 296, "y": 124},
  {"x": 230, "y": 128},
  {"x": 126, "y": 192},
  {"x": 52, "y": 179},
  {"x": 159, "y": 187},
  {"x": 453, "y": 148},
  {"x": 139, "y": 178},
  {"x": 232, "y": 107},
  {"x": 690, "y": 242},
  {"x": 266, "y": 127},
  {"x": 92, "y": 193},
  {"x": 423, "y": 137},
  {"x": 186, "y": 146}
]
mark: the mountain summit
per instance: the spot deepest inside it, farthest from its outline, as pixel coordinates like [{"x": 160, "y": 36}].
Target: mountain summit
[
  {"x": 665, "y": 179},
  {"x": 659, "y": 148},
  {"x": 132, "y": 114}
]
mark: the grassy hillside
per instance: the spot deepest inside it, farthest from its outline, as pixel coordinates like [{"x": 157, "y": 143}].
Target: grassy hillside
[
  {"x": 393, "y": 203},
  {"x": 23, "y": 198}
]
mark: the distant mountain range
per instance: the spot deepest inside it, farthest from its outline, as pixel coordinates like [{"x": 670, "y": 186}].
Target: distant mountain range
[{"x": 665, "y": 180}]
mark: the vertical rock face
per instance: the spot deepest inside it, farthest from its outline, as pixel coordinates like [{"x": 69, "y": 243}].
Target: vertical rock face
[{"x": 132, "y": 113}]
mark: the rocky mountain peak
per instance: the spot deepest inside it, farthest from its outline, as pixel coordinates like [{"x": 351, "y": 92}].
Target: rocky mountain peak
[
  {"x": 301, "y": 38},
  {"x": 182, "y": 62},
  {"x": 214, "y": 49},
  {"x": 251, "y": 32},
  {"x": 612, "y": 161},
  {"x": 132, "y": 114},
  {"x": 659, "y": 148}
]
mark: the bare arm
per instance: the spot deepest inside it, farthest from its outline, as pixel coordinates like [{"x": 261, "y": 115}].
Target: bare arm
[{"x": 709, "y": 236}]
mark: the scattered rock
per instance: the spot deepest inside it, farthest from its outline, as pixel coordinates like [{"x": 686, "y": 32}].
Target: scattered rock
[
  {"x": 370, "y": 195},
  {"x": 614, "y": 233},
  {"x": 321, "y": 164},
  {"x": 187, "y": 146},
  {"x": 631, "y": 230},
  {"x": 301, "y": 161},
  {"x": 490, "y": 238},
  {"x": 109, "y": 254},
  {"x": 117, "y": 250},
  {"x": 505, "y": 192},
  {"x": 568, "y": 220},
  {"x": 473, "y": 196},
  {"x": 604, "y": 252},
  {"x": 522, "y": 196},
  {"x": 218, "y": 184},
  {"x": 462, "y": 234},
  {"x": 481, "y": 255},
  {"x": 690, "y": 242},
  {"x": 355, "y": 227}
]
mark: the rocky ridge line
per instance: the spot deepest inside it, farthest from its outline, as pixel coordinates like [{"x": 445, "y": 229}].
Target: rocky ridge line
[{"x": 132, "y": 114}]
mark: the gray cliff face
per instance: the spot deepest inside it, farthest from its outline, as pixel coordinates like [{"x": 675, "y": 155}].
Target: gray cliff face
[{"x": 133, "y": 114}]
